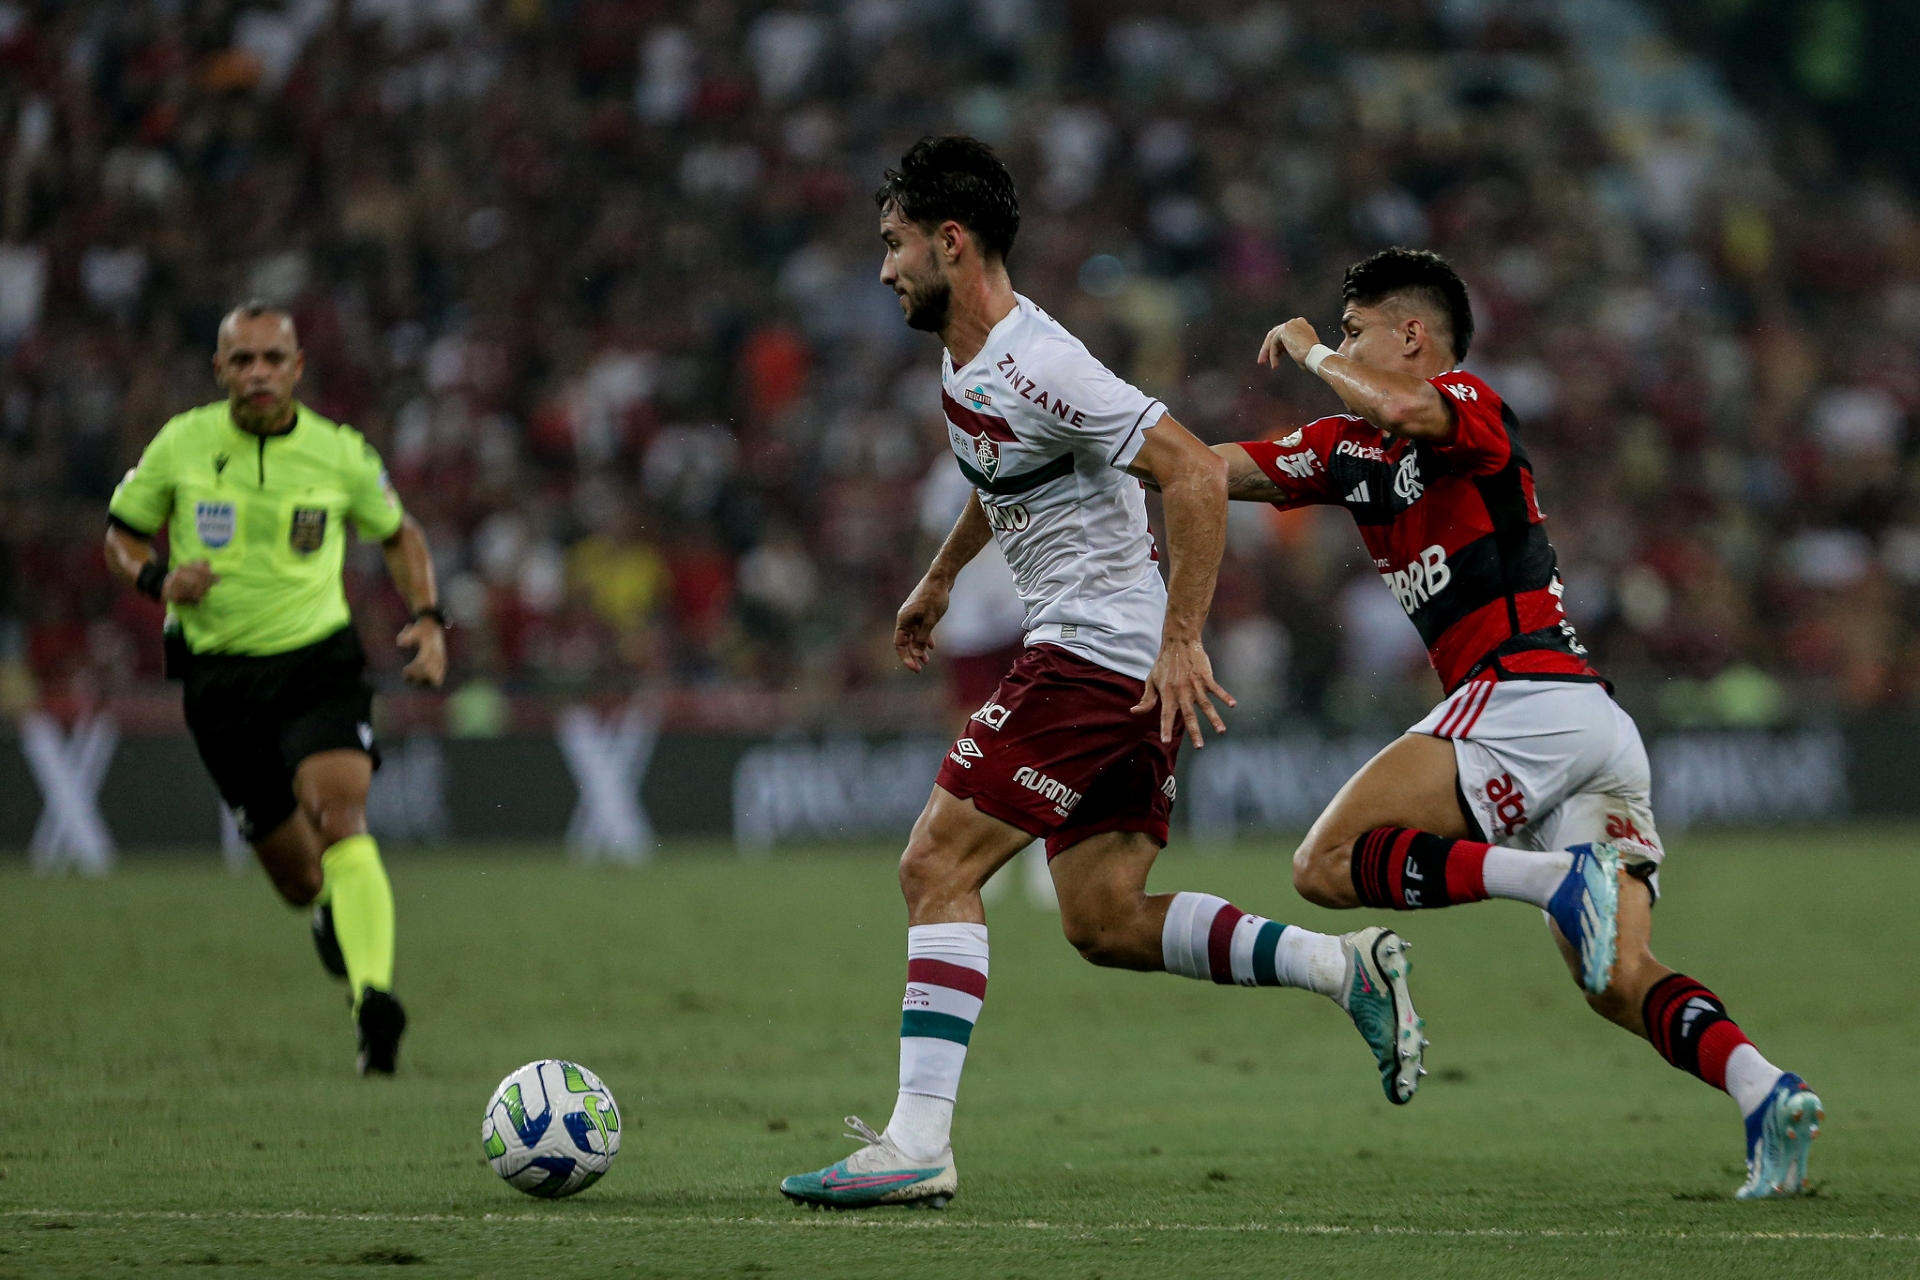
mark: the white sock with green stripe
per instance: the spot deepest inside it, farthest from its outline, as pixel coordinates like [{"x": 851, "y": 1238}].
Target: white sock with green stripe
[
  {"x": 946, "y": 981},
  {"x": 1211, "y": 939}
]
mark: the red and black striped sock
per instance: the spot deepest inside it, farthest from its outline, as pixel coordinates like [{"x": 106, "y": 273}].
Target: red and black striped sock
[
  {"x": 1689, "y": 1027},
  {"x": 1406, "y": 870}
]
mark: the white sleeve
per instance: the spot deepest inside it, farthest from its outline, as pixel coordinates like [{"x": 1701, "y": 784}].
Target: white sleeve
[{"x": 1090, "y": 408}]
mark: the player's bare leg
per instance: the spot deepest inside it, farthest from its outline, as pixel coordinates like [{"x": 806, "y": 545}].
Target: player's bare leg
[
  {"x": 1402, "y": 814},
  {"x": 953, "y": 850},
  {"x": 1410, "y": 783},
  {"x": 290, "y": 855},
  {"x": 1113, "y": 921},
  {"x": 1105, "y": 909},
  {"x": 323, "y": 854},
  {"x": 1396, "y": 836},
  {"x": 1689, "y": 1027},
  {"x": 1635, "y": 972},
  {"x": 331, "y": 789}
]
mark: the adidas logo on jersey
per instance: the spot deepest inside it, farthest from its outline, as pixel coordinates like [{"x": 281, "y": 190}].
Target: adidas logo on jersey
[{"x": 1359, "y": 493}]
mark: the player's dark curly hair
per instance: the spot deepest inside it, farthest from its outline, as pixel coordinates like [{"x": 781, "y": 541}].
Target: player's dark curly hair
[
  {"x": 1425, "y": 275},
  {"x": 955, "y": 177}
]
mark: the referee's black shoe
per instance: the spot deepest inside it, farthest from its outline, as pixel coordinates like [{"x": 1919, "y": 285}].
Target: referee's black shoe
[
  {"x": 326, "y": 943},
  {"x": 377, "y": 1029}
]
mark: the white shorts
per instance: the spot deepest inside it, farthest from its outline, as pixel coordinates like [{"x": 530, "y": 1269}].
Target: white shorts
[{"x": 1547, "y": 764}]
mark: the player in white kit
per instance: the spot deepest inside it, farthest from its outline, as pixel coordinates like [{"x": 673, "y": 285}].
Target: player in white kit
[{"x": 1068, "y": 749}]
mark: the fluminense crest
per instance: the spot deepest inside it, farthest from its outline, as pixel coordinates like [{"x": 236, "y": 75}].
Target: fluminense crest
[{"x": 986, "y": 456}]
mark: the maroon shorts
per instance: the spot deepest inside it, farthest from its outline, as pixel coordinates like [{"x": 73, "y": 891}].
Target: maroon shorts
[
  {"x": 974, "y": 676},
  {"x": 1058, "y": 752}
]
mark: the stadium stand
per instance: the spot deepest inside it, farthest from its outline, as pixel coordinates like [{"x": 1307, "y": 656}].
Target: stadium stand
[{"x": 598, "y": 278}]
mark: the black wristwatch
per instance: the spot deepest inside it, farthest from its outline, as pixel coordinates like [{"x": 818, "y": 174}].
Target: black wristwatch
[{"x": 431, "y": 611}]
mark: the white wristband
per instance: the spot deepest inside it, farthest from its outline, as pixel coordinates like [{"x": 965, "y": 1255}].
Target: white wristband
[{"x": 1317, "y": 357}]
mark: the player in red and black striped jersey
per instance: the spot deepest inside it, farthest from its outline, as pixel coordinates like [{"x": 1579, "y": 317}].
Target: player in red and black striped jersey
[
  {"x": 1528, "y": 749},
  {"x": 1453, "y": 526}
]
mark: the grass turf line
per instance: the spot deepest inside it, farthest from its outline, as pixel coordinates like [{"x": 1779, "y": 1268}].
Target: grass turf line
[{"x": 179, "y": 1086}]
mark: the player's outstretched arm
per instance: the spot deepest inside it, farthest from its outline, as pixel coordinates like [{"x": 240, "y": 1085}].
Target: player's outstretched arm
[
  {"x": 1398, "y": 403},
  {"x": 1246, "y": 482},
  {"x": 913, "y": 625},
  {"x": 410, "y": 564},
  {"x": 1193, "y": 487}
]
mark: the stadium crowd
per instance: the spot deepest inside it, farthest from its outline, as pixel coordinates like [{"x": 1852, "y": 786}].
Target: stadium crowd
[{"x": 598, "y": 277}]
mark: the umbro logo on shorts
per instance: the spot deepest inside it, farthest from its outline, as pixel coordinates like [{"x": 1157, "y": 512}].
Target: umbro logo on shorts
[{"x": 964, "y": 749}]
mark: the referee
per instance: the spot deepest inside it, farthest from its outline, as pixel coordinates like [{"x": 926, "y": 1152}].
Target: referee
[{"x": 254, "y": 492}]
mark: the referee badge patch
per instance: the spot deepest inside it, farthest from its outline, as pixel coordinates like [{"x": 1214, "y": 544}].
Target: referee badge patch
[
  {"x": 309, "y": 529},
  {"x": 213, "y": 523}
]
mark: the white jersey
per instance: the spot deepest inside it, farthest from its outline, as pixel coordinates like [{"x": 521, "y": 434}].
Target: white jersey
[{"x": 1044, "y": 432}]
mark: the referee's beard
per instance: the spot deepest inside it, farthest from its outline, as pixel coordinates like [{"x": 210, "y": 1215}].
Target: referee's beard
[{"x": 249, "y": 416}]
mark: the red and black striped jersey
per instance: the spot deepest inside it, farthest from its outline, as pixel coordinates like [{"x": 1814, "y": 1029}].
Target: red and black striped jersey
[{"x": 1454, "y": 530}]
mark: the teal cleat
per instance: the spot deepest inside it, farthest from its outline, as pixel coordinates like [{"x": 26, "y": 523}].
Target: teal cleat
[
  {"x": 1778, "y": 1134},
  {"x": 1586, "y": 908},
  {"x": 878, "y": 1173},
  {"x": 1378, "y": 1002}
]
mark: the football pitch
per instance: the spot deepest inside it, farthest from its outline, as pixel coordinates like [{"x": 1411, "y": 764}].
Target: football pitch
[{"x": 179, "y": 1092}]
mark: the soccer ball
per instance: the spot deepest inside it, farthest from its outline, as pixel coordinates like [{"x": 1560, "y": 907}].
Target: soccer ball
[{"x": 551, "y": 1129}]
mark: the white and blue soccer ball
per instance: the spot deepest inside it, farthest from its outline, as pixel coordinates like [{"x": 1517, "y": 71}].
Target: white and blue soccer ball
[{"x": 551, "y": 1129}]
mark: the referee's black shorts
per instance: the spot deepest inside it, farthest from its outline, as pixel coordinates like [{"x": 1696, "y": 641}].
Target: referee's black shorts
[{"x": 255, "y": 719}]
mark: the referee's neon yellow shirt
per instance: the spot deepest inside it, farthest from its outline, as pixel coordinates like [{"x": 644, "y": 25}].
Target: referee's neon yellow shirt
[{"x": 267, "y": 512}]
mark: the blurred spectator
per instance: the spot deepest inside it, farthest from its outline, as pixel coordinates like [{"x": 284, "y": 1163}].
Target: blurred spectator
[{"x": 599, "y": 279}]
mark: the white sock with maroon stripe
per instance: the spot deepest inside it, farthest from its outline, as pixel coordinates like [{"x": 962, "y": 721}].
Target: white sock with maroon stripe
[
  {"x": 1209, "y": 938},
  {"x": 946, "y": 981}
]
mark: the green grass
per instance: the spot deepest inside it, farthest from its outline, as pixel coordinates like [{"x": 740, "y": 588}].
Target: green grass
[{"x": 176, "y": 1083}]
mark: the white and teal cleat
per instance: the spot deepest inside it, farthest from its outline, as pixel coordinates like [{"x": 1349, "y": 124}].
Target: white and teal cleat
[
  {"x": 1586, "y": 907},
  {"x": 1378, "y": 1002},
  {"x": 877, "y": 1174},
  {"x": 1778, "y": 1134}
]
